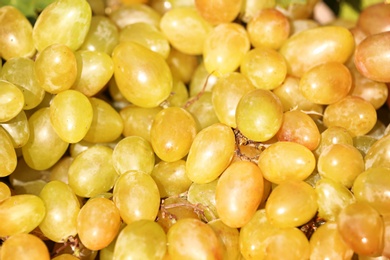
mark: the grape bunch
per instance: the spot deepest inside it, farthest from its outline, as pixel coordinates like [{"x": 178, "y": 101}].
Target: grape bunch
[{"x": 194, "y": 129}]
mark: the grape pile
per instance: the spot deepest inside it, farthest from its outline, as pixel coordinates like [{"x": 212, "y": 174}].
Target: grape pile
[{"x": 194, "y": 129}]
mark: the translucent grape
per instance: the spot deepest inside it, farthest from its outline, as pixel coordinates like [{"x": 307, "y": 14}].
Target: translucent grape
[
  {"x": 202, "y": 80},
  {"x": 230, "y": 238},
  {"x": 60, "y": 170},
  {"x": 374, "y": 18},
  {"x": 202, "y": 110},
  {"x": 134, "y": 13},
  {"x": 217, "y": 12},
  {"x": 334, "y": 135},
  {"x": 12, "y": 101},
  {"x": 179, "y": 94},
  {"x": 182, "y": 65},
  {"x": 23, "y": 247},
  {"x": 378, "y": 154},
  {"x": 5, "y": 191},
  {"x": 250, "y": 8},
  {"x": 204, "y": 194}
]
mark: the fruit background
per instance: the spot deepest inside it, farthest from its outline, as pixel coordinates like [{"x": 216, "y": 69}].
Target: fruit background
[{"x": 194, "y": 129}]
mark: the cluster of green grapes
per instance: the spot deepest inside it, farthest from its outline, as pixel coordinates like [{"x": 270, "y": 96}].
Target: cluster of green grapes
[{"x": 193, "y": 129}]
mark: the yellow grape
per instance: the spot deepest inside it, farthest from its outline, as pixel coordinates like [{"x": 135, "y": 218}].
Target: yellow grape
[
  {"x": 59, "y": 171},
  {"x": 65, "y": 257},
  {"x": 71, "y": 115},
  {"x": 107, "y": 124},
  {"x": 136, "y": 196},
  {"x": 87, "y": 181},
  {"x": 362, "y": 229},
  {"x": 230, "y": 238},
  {"x": 210, "y": 153},
  {"x": 143, "y": 76},
  {"x": 374, "y": 18},
  {"x": 291, "y": 204},
  {"x": 134, "y": 13},
  {"x": 204, "y": 194},
  {"x": 72, "y": 16},
  {"x": 202, "y": 80},
  {"x": 378, "y": 154},
  {"x": 363, "y": 143},
  {"x": 18, "y": 129},
  {"x": 12, "y": 101},
  {"x": 264, "y": 67},
  {"x": 259, "y": 115},
  {"x": 24, "y": 247},
  {"x": 179, "y": 94},
  {"x": 44, "y": 147},
  {"x": 193, "y": 239},
  {"x": 317, "y": 87},
  {"x": 341, "y": 163},
  {"x": 63, "y": 68},
  {"x": 20, "y": 214},
  {"x": 220, "y": 11},
  {"x": 356, "y": 115},
  {"x": 133, "y": 153},
  {"x": 372, "y": 186},
  {"x": 202, "y": 110},
  {"x": 250, "y": 8},
  {"x": 182, "y": 65},
  {"x": 185, "y": 29},
  {"x": 334, "y": 135},
  {"x": 62, "y": 207},
  {"x": 5, "y": 191},
  {"x": 16, "y": 34},
  {"x": 239, "y": 193},
  {"x": 226, "y": 94},
  {"x": 284, "y": 161},
  {"x": 98, "y": 223},
  {"x": 176, "y": 120},
  {"x": 141, "y": 239},
  {"x": 94, "y": 70},
  {"x": 386, "y": 247},
  {"x": 326, "y": 243},
  {"x": 314, "y": 46},
  {"x": 225, "y": 47}
]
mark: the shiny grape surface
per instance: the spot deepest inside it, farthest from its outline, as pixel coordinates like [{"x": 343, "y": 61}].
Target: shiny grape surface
[{"x": 194, "y": 129}]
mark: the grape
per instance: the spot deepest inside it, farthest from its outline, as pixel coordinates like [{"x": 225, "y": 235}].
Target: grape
[
  {"x": 16, "y": 34},
  {"x": 162, "y": 6},
  {"x": 65, "y": 257},
  {"x": 386, "y": 247},
  {"x": 12, "y": 101},
  {"x": 218, "y": 12},
  {"x": 283, "y": 161},
  {"x": 251, "y": 8},
  {"x": 21, "y": 214},
  {"x": 145, "y": 80},
  {"x": 192, "y": 239},
  {"x": 204, "y": 194},
  {"x": 363, "y": 143},
  {"x": 72, "y": 16},
  {"x": 182, "y": 65},
  {"x": 135, "y": 13},
  {"x": 5, "y": 191},
  {"x": 378, "y": 154},
  {"x": 23, "y": 247},
  {"x": 230, "y": 238},
  {"x": 239, "y": 192},
  {"x": 179, "y": 94},
  {"x": 374, "y": 18},
  {"x": 71, "y": 115},
  {"x": 259, "y": 115},
  {"x": 210, "y": 153},
  {"x": 59, "y": 171},
  {"x": 170, "y": 147},
  {"x": 202, "y": 80},
  {"x": 98, "y": 223},
  {"x": 334, "y": 135},
  {"x": 202, "y": 110}
]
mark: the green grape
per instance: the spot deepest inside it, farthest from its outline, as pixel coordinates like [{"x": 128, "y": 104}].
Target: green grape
[
  {"x": 59, "y": 171},
  {"x": 363, "y": 143},
  {"x": 259, "y": 115},
  {"x": 102, "y": 36},
  {"x": 63, "y": 68},
  {"x": 356, "y": 115},
  {"x": 210, "y": 153},
  {"x": 133, "y": 153},
  {"x": 18, "y": 129},
  {"x": 94, "y": 70},
  {"x": 226, "y": 94},
  {"x": 71, "y": 115},
  {"x": 12, "y": 101},
  {"x": 201, "y": 81},
  {"x": 176, "y": 120},
  {"x": 224, "y": 48},
  {"x": 20, "y": 72},
  {"x": 314, "y": 46},
  {"x": 5, "y": 191},
  {"x": 182, "y": 65},
  {"x": 291, "y": 204},
  {"x": 326, "y": 243},
  {"x": 98, "y": 223},
  {"x": 239, "y": 193},
  {"x": 138, "y": 120},
  {"x": 179, "y": 94},
  {"x": 269, "y": 28},
  {"x": 204, "y": 194},
  {"x": 87, "y": 180},
  {"x": 21, "y": 214},
  {"x": 378, "y": 154},
  {"x": 44, "y": 147},
  {"x": 134, "y": 13},
  {"x": 332, "y": 198},
  {"x": 144, "y": 79},
  {"x": 372, "y": 186},
  {"x": 341, "y": 163},
  {"x": 250, "y": 8},
  {"x": 16, "y": 34},
  {"x": 185, "y": 29},
  {"x": 284, "y": 161},
  {"x": 218, "y": 12},
  {"x": 264, "y": 67},
  {"x": 23, "y": 247},
  {"x": 147, "y": 35},
  {"x": 190, "y": 238},
  {"x": 107, "y": 124},
  {"x": 141, "y": 239},
  {"x": 136, "y": 196},
  {"x": 202, "y": 110},
  {"x": 300, "y": 128},
  {"x": 73, "y": 17},
  {"x": 317, "y": 87},
  {"x": 333, "y": 135},
  {"x": 300, "y": 25},
  {"x": 171, "y": 178},
  {"x": 62, "y": 208},
  {"x": 361, "y": 228},
  {"x": 230, "y": 238}
]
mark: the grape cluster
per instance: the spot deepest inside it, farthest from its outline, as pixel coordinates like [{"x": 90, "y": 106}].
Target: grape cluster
[{"x": 194, "y": 129}]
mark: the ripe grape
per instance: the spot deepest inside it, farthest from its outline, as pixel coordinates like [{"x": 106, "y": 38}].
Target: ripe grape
[{"x": 23, "y": 247}]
